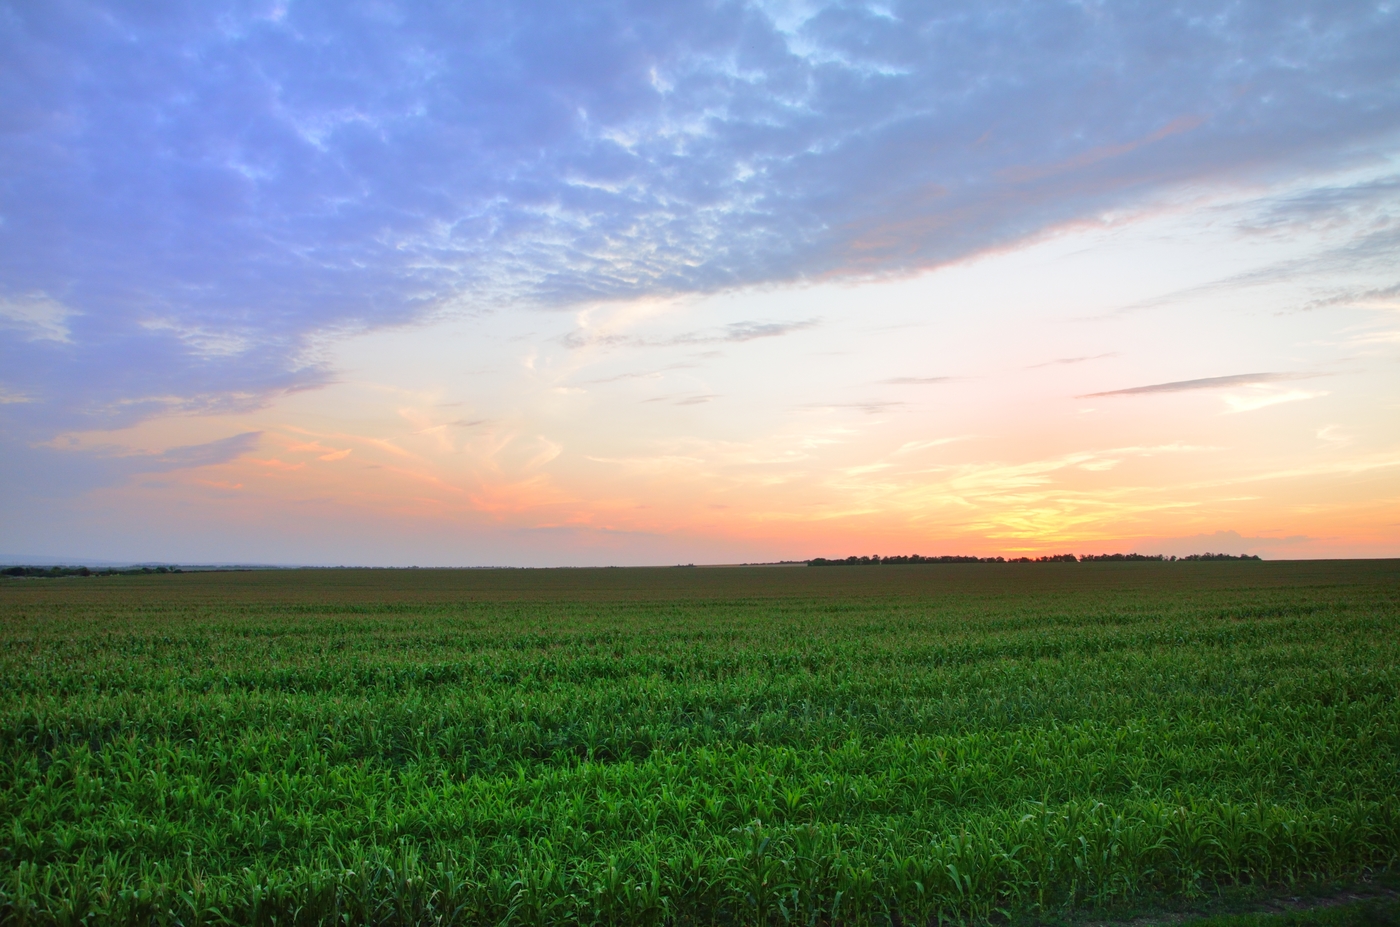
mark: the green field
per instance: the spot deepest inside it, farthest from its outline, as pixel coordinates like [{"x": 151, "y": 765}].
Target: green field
[{"x": 898, "y": 744}]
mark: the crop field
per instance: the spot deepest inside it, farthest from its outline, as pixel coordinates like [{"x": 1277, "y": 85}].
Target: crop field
[{"x": 788, "y": 745}]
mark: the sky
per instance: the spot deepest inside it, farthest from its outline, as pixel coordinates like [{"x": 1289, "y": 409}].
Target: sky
[{"x": 592, "y": 283}]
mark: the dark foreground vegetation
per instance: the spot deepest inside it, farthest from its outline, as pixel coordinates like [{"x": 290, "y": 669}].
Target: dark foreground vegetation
[{"x": 906, "y": 745}]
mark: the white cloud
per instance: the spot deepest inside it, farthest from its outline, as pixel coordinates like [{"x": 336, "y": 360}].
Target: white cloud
[
  {"x": 202, "y": 341},
  {"x": 1250, "y": 402},
  {"x": 37, "y": 316},
  {"x": 1334, "y": 434}
]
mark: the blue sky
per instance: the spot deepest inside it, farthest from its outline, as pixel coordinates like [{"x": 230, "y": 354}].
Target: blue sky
[{"x": 199, "y": 202}]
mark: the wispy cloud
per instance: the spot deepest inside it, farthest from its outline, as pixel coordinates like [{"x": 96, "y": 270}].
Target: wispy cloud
[
  {"x": 203, "y": 455},
  {"x": 733, "y": 333},
  {"x": 695, "y": 400},
  {"x": 869, "y": 407},
  {"x": 917, "y": 381},
  {"x": 1326, "y": 206},
  {"x": 1360, "y": 220},
  {"x": 175, "y": 458},
  {"x": 645, "y": 374},
  {"x": 1061, "y": 361},
  {"x": 1335, "y": 435},
  {"x": 910, "y": 447},
  {"x": 1382, "y": 297},
  {"x": 1177, "y": 386},
  {"x": 36, "y": 317},
  {"x": 1248, "y": 403},
  {"x": 203, "y": 341},
  {"x": 749, "y": 331}
]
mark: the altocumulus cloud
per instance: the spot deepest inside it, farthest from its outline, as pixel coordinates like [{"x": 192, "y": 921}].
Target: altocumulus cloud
[{"x": 190, "y": 191}]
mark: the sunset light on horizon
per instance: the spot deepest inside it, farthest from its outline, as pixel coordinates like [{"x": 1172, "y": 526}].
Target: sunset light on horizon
[{"x": 616, "y": 284}]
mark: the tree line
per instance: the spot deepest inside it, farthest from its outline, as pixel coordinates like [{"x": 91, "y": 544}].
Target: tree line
[
  {"x": 877, "y": 560},
  {"x": 56, "y": 571}
]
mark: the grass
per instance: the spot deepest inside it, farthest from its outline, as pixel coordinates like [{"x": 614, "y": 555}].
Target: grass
[{"x": 906, "y": 745}]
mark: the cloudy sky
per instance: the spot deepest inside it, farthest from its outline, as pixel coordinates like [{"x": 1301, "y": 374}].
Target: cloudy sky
[{"x": 607, "y": 282}]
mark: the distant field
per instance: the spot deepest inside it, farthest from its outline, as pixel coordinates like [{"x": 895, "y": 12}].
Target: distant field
[{"x": 790, "y": 745}]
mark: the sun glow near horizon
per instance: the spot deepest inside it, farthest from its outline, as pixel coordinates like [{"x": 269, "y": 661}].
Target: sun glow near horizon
[{"x": 1100, "y": 389}]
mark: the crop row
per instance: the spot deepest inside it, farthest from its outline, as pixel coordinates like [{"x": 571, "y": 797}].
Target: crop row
[{"x": 826, "y": 759}]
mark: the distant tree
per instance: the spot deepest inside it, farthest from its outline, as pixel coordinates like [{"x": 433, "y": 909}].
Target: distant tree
[
  {"x": 1120, "y": 557},
  {"x": 1210, "y": 556}
]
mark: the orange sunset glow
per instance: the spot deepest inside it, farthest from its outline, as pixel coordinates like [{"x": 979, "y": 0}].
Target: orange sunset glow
[{"x": 1160, "y": 322}]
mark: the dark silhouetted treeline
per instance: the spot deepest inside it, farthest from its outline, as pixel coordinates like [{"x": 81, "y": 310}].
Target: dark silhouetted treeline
[
  {"x": 1210, "y": 556},
  {"x": 1052, "y": 558},
  {"x": 1123, "y": 557},
  {"x": 912, "y": 558},
  {"x": 56, "y": 571}
]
